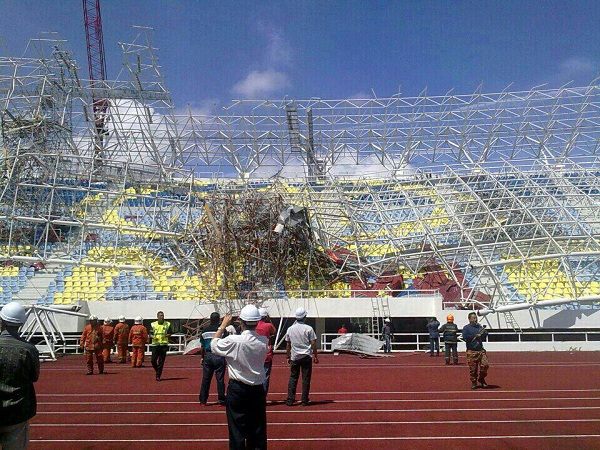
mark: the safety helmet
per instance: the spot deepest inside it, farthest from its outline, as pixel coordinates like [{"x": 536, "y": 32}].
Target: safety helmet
[
  {"x": 301, "y": 313},
  {"x": 107, "y": 321},
  {"x": 387, "y": 320},
  {"x": 93, "y": 317},
  {"x": 121, "y": 318},
  {"x": 250, "y": 314},
  {"x": 450, "y": 318},
  {"x": 138, "y": 320},
  {"x": 263, "y": 312},
  {"x": 13, "y": 313}
]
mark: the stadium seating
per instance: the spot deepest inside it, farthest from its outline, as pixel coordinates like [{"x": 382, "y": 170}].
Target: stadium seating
[
  {"x": 545, "y": 280},
  {"x": 12, "y": 280}
]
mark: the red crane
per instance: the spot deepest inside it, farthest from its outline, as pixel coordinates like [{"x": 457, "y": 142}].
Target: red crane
[{"x": 96, "y": 67}]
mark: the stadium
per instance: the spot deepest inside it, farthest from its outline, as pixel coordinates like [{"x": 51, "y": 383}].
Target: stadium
[
  {"x": 480, "y": 201},
  {"x": 113, "y": 203}
]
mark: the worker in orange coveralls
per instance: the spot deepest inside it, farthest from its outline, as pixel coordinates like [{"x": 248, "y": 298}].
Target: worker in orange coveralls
[
  {"x": 138, "y": 338},
  {"x": 91, "y": 342},
  {"x": 122, "y": 339},
  {"x": 108, "y": 337}
]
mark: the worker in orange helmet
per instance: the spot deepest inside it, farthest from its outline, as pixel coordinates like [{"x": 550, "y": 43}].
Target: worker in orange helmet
[
  {"x": 108, "y": 337},
  {"x": 449, "y": 332},
  {"x": 138, "y": 338},
  {"x": 121, "y": 339},
  {"x": 91, "y": 342}
]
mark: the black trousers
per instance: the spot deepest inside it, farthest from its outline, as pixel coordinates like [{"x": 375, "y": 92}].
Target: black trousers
[
  {"x": 268, "y": 367},
  {"x": 212, "y": 365},
  {"x": 450, "y": 348},
  {"x": 246, "y": 416},
  {"x": 304, "y": 364},
  {"x": 159, "y": 354}
]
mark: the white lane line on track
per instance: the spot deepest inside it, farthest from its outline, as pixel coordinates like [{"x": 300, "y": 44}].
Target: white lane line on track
[
  {"x": 383, "y": 438},
  {"x": 309, "y": 410},
  {"x": 480, "y": 391},
  {"x": 436, "y": 400},
  {"x": 401, "y": 422},
  {"x": 566, "y": 365}
]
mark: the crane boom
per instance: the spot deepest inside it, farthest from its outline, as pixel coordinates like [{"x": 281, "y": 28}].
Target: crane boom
[
  {"x": 94, "y": 40},
  {"x": 97, "y": 70}
]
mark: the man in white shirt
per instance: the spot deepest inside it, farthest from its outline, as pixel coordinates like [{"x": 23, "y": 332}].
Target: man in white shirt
[
  {"x": 301, "y": 350},
  {"x": 246, "y": 400}
]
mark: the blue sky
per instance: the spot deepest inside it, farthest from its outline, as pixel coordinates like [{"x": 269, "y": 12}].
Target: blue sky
[{"x": 214, "y": 51}]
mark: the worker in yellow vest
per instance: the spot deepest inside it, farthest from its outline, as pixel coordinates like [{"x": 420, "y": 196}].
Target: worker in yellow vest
[{"x": 160, "y": 332}]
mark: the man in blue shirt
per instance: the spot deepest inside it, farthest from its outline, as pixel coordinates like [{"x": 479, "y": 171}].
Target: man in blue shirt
[
  {"x": 211, "y": 363},
  {"x": 434, "y": 336},
  {"x": 473, "y": 335}
]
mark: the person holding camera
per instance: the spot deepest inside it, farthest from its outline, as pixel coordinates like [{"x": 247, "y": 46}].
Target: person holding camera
[{"x": 474, "y": 334}]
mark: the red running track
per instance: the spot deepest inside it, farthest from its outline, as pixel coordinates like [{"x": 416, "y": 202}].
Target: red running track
[{"x": 535, "y": 401}]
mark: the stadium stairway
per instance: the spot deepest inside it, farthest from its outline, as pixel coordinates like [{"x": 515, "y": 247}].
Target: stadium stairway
[{"x": 37, "y": 286}]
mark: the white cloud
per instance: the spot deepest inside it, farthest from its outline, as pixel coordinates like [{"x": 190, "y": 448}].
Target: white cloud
[
  {"x": 259, "y": 83},
  {"x": 579, "y": 69},
  {"x": 269, "y": 74},
  {"x": 279, "y": 51},
  {"x": 361, "y": 95},
  {"x": 578, "y": 65},
  {"x": 206, "y": 107}
]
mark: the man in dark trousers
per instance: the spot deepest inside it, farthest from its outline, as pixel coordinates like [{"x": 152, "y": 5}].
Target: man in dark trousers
[
  {"x": 19, "y": 369},
  {"x": 246, "y": 399},
  {"x": 160, "y": 331},
  {"x": 301, "y": 351},
  {"x": 211, "y": 363},
  {"x": 450, "y": 335},
  {"x": 267, "y": 329},
  {"x": 434, "y": 336},
  {"x": 473, "y": 335},
  {"x": 387, "y": 334}
]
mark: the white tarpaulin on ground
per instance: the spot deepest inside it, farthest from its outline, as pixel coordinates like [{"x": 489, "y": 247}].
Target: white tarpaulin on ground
[
  {"x": 356, "y": 343},
  {"x": 193, "y": 347}
]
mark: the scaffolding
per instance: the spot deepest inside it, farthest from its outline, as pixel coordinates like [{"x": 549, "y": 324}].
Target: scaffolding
[{"x": 490, "y": 199}]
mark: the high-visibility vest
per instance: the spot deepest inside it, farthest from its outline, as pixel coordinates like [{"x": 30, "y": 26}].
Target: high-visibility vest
[{"x": 159, "y": 333}]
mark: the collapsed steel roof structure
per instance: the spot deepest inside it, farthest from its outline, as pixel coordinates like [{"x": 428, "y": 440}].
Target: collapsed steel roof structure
[{"x": 499, "y": 192}]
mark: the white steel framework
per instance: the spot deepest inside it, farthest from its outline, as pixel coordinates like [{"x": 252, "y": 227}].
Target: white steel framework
[{"x": 489, "y": 198}]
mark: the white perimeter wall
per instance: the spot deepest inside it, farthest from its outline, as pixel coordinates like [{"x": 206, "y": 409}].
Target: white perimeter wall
[{"x": 422, "y": 306}]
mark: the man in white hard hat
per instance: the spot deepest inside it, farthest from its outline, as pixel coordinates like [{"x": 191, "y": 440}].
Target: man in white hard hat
[
  {"x": 301, "y": 350},
  {"x": 121, "y": 338},
  {"x": 108, "y": 337},
  {"x": 246, "y": 400},
  {"x": 19, "y": 369},
  {"x": 91, "y": 342},
  {"x": 387, "y": 333},
  {"x": 138, "y": 338},
  {"x": 265, "y": 328}
]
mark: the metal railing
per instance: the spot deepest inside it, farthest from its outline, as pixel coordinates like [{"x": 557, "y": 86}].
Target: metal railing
[{"x": 215, "y": 295}]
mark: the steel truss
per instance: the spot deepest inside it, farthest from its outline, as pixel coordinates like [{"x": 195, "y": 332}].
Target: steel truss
[{"x": 499, "y": 192}]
